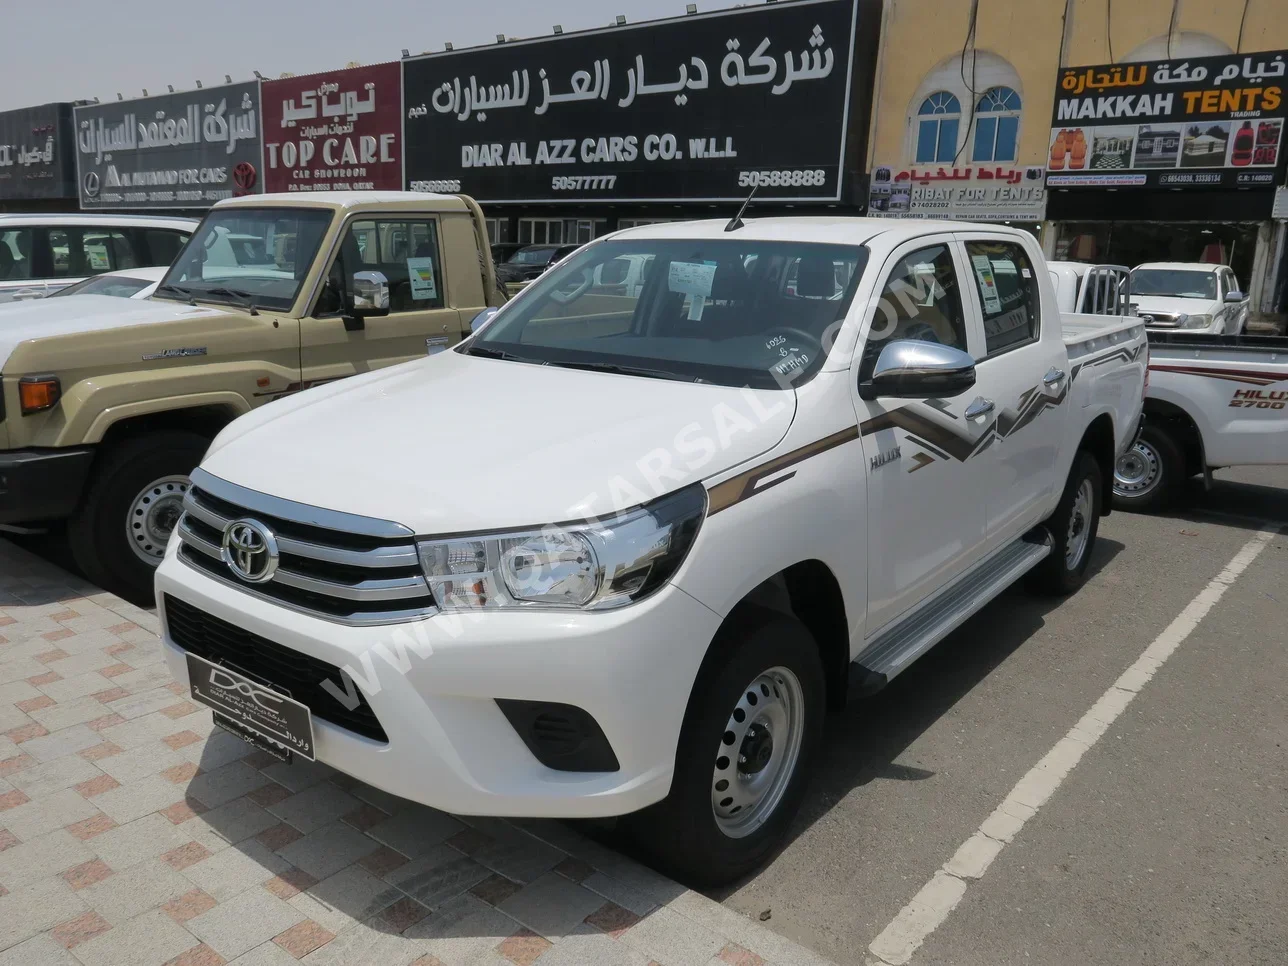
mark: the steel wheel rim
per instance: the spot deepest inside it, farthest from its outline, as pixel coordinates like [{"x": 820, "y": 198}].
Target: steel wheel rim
[
  {"x": 1079, "y": 525},
  {"x": 757, "y": 753},
  {"x": 1138, "y": 471},
  {"x": 152, "y": 517}
]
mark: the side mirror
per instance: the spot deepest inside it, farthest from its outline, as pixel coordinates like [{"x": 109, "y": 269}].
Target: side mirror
[
  {"x": 909, "y": 369},
  {"x": 370, "y": 293},
  {"x": 370, "y": 297},
  {"x": 1234, "y": 297},
  {"x": 483, "y": 318}
]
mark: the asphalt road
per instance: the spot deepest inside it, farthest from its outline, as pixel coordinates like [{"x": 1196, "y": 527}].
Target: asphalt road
[{"x": 1166, "y": 844}]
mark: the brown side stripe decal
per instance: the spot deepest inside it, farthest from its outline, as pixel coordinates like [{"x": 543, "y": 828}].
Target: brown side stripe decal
[
  {"x": 748, "y": 484},
  {"x": 1229, "y": 375}
]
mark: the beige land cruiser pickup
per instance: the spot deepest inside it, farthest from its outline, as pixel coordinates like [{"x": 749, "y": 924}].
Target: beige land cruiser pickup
[{"x": 109, "y": 403}]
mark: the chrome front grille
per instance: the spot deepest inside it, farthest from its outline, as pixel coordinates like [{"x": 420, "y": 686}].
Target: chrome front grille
[
  {"x": 1159, "y": 320},
  {"x": 337, "y": 566}
]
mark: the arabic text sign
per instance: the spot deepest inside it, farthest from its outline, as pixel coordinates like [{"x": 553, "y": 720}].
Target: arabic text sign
[
  {"x": 173, "y": 151},
  {"x": 1206, "y": 121},
  {"x": 35, "y": 153},
  {"x": 338, "y": 131},
  {"x": 974, "y": 193},
  {"x": 697, "y": 108}
]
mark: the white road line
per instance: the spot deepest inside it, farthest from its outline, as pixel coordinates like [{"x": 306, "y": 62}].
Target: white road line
[{"x": 938, "y": 897}]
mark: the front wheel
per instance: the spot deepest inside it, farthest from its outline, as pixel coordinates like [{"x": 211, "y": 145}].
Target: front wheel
[
  {"x": 1146, "y": 476},
  {"x": 1073, "y": 528},
  {"x": 119, "y": 533},
  {"x": 745, "y": 752}
]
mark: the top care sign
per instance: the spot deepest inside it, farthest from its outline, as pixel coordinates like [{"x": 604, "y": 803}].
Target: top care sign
[
  {"x": 699, "y": 108},
  {"x": 1201, "y": 122},
  {"x": 338, "y": 130}
]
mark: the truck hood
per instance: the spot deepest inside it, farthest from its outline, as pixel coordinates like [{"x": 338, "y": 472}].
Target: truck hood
[
  {"x": 1170, "y": 303},
  {"x": 454, "y": 443},
  {"x": 74, "y": 314}
]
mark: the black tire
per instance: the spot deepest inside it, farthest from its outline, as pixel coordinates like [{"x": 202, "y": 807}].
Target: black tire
[
  {"x": 681, "y": 834},
  {"x": 97, "y": 531},
  {"x": 1065, "y": 570},
  {"x": 1150, "y": 475}
]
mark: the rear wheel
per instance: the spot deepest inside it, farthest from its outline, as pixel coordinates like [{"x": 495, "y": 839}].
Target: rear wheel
[
  {"x": 1147, "y": 475},
  {"x": 1073, "y": 528},
  {"x": 119, "y": 533},
  {"x": 745, "y": 751}
]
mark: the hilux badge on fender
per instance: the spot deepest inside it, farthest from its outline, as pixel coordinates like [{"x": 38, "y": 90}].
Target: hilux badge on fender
[
  {"x": 250, "y": 550},
  {"x": 881, "y": 459}
]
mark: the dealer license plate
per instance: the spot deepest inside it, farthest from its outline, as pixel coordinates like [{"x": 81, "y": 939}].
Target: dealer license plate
[{"x": 272, "y": 716}]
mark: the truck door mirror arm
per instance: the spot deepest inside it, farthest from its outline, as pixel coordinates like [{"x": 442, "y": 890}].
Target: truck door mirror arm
[{"x": 911, "y": 369}]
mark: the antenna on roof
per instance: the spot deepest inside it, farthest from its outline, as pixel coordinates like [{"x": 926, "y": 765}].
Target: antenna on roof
[{"x": 736, "y": 221}]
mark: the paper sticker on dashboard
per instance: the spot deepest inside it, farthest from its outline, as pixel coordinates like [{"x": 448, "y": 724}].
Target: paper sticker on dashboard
[{"x": 691, "y": 278}]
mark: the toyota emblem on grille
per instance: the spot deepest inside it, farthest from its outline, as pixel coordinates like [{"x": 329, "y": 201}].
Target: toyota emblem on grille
[{"x": 250, "y": 550}]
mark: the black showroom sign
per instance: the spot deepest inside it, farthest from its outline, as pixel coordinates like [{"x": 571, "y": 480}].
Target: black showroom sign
[
  {"x": 184, "y": 150},
  {"x": 698, "y": 108},
  {"x": 1203, "y": 122},
  {"x": 36, "y": 159}
]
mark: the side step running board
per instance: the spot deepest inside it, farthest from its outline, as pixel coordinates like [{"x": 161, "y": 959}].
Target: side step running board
[{"x": 898, "y": 647}]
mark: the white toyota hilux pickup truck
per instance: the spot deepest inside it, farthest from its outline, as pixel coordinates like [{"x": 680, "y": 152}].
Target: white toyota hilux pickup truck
[
  {"x": 1189, "y": 296},
  {"x": 616, "y": 554},
  {"x": 1211, "y": 402}
]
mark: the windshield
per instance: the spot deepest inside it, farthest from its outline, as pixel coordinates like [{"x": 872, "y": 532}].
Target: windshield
[
  {"x": 243, "y": 253},
  {"x": 532, "y": 256},
  {"x": 121, "y": 286},
  {"x": 738, "y": 312},
  {"x": 1178, "y": 283}
]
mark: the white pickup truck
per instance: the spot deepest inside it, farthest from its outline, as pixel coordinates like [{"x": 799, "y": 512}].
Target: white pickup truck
[
  {"x": 662, "y": 532},
  {"x": 1189, "y": 296},
  {"x": 1211, "y": 402}
]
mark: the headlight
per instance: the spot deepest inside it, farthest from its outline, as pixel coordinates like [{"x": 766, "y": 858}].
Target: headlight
[
  {"x": 598, "y": 565},
  {"x": 1195, "y": 321}
]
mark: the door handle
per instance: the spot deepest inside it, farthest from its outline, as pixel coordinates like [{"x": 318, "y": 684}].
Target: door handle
[
  {"x": 1053, "y": 377},
  {"x": 980, "y": 407}
]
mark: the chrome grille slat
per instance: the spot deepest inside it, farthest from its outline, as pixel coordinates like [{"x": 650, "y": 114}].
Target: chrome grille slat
[
  {"x": 376, "y": 557},
  {"x": 336, "y": 566},
  {"x": 398, "y": 588}
]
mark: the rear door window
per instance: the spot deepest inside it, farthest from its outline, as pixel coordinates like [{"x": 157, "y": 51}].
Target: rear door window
[
  {"x": 15, "y": 255},
  {"x": 1008, "y": 294}
]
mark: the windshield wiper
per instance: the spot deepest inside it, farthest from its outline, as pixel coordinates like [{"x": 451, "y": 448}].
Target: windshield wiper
[
  {"x": 625, "y": 370},
  {"x": 236, "y": 294},
  {"x": 487, "y": 352},
  {"x": 183, "y": 293}
]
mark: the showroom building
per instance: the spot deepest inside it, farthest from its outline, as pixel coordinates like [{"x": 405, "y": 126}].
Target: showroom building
[{"x": 970, "y": 115}]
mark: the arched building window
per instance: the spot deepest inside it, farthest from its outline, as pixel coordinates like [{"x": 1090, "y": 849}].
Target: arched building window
[
  {"x": 965, "y": 110},
  {"x": 997, "y": 125},
  {"x": 938, "y": 120}
]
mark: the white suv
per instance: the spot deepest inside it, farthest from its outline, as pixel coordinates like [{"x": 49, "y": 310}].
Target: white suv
[{"x": 40, "y": 254}]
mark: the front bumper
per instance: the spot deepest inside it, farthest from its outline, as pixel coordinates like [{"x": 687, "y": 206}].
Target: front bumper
[
  {"x": 433, "y": 686},
  {"x": 42, "y": 484}
]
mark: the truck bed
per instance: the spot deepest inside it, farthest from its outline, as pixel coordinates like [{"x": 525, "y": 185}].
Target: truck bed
[{"x": 1085, "y": 335}]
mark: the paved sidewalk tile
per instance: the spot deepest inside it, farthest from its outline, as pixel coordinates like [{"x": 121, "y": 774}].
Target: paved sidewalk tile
[
  {"x": 238, "y": 925},
  {"x": 134, "y": 833},
  {"x": 150, "y": 939}
]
